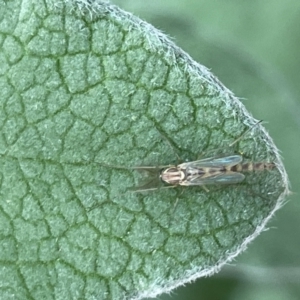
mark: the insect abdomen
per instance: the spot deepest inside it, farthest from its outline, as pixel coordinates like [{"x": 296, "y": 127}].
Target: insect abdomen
[{"x": 249, "y": 167}]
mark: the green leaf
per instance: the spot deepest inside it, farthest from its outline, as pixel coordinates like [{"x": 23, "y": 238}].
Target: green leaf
[{"x": 87, "y": 92}]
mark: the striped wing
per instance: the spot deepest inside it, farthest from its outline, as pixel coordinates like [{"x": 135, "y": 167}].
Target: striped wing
[
  {"x": 212, "y": 162},
  {"x": 217, "y": 178}
]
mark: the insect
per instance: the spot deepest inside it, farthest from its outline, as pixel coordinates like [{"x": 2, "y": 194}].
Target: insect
[
  {"x": 209, "y": 171},
  {"x": 224, "y": 170}
]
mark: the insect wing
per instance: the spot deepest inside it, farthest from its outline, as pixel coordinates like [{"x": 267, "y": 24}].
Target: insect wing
[
  {"x": 213, "y": 162},
  {"x": 220, "y": 178}
]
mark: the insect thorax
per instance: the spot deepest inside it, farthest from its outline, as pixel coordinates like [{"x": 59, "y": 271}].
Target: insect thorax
[{"x": 173, "y": 175}]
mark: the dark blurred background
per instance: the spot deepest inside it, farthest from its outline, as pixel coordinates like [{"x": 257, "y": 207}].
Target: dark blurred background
[{"x": 253, "y": 48}]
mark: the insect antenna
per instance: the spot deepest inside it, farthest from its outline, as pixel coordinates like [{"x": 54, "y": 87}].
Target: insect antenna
[{"x": 152, "y": 181}]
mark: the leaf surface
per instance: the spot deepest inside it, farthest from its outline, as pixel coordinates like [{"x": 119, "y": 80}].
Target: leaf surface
[{"x": 87, "y": 93}]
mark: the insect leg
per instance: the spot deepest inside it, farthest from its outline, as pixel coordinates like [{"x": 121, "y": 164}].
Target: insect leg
[
  {"x": 231, "y": 144},
  {"x": 145, "y": 188},
  {"x": 205, "y": 188},
  {"x": 244, "y": 133},
  {"x": 170, "y": 144}
]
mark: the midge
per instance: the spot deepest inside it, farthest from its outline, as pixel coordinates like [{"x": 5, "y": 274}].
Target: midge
[
  {"x": 224, "y": 170},
  {"x": 209, "y": 171}
]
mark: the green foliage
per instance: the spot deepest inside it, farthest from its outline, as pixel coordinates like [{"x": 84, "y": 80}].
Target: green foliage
[{"x": 88, "y": 92}]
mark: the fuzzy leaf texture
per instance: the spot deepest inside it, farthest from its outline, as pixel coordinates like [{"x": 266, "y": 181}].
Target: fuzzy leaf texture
[{"x": 88, "y": 91}]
